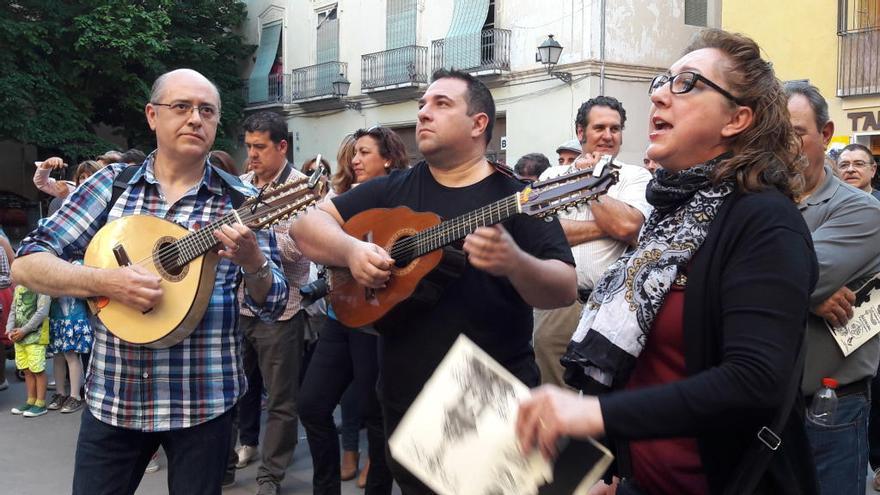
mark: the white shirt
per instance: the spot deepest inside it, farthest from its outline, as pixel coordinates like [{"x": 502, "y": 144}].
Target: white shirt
[{"x": 593, "y": 257}]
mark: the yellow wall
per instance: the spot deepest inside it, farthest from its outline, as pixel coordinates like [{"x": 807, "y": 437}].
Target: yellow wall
[{"x": 800, "y": 38}]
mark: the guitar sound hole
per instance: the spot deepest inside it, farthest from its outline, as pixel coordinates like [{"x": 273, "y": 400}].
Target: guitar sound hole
[
  {"x": 169, "y": 259},
  {"x": 166, "y": 259},
  {"x": 405, "y": 257}
]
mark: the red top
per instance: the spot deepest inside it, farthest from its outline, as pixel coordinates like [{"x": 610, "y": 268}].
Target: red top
[{"x": 670, "y": 465}]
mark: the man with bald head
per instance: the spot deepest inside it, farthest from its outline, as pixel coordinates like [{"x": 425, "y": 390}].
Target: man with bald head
[{"x": 181, "y": 397}]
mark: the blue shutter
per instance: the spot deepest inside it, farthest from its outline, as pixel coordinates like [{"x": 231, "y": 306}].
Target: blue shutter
[
  {"x": 462, "y": 45},
  {"x": 327, "y": 51},
  {"x": 258, "y": 83},
  {"x": 400, "y": 32}
]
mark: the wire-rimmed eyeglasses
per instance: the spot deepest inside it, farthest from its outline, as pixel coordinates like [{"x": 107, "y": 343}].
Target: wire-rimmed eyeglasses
[{"x": 184, "y": 108}]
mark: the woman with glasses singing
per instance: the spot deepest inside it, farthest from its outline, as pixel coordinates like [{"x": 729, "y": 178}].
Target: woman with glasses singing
[{"x": 692, "y": 340}]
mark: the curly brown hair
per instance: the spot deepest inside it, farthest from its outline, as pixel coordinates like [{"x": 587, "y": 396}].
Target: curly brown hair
[{"x": 766, "y": 154}]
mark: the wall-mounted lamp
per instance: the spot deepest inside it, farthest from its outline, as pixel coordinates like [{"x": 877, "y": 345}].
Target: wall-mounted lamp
[
  {"x": 340, "y": 90},
  {"x": 548, "y": 54}
]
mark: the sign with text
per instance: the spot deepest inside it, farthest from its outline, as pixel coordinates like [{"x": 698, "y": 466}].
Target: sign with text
[{"x": 865, "y": 322}]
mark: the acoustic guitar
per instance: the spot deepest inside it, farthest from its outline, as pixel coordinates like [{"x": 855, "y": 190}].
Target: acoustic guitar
[
  {"x": 185, "y": 260},
  {"x": 417, "y": 241}
]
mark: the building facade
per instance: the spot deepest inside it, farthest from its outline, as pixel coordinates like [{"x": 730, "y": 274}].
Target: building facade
[
  {"x": 833, "y": 45},
  {"x": 333, "y": 66}
]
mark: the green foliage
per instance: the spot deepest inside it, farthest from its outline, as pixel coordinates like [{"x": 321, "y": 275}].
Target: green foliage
[{"x": 68, "y": 66}]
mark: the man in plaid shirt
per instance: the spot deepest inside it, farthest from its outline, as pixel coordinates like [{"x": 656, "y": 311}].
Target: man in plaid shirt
[
  {"x": 180, "y": 397},
  {"x": 272, "y": 350}
]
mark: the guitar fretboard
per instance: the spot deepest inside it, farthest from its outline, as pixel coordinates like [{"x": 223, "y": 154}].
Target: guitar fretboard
[
  {"x": 199, "y": 242},
  {"x": 455, "y": 229}
]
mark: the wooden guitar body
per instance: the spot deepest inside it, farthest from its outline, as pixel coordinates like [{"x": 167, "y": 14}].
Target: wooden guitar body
[
  {"x": 356, "y": 306},
  {"x": 419, "y": 244},
  {"x": 185, "y": 292}
]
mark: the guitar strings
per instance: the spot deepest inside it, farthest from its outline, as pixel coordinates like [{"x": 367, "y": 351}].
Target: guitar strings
[
  {"x": 436, "y": 234},
  {"x": 190, "y": 243}
]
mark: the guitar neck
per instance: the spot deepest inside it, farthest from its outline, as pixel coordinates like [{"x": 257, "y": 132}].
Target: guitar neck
[
  {"x": 455, "y": 229},
  {"x": 199, "y": 242}
]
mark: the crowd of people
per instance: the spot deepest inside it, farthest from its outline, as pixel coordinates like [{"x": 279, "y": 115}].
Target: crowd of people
[{"x": 683, "y": 317}]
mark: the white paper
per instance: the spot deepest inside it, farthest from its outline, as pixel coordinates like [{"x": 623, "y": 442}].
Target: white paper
[
  {"x": 459, "y": 435},
  {"x": 865, "y": 322}
]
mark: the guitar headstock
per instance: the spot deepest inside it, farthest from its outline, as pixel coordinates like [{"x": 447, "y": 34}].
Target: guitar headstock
[
  {"x": 567, "y": 191},
  {"x": 274, "y": 205}
]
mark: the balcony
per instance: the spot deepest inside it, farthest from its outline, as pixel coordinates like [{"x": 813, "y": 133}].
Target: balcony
[
  {"x": 315, "y": 82},
  {"x": 403, "y": 67},
  {"x": 858, "y": 71},
  {"x": 483, "y": 53},
  {"x": 278, "y": 90}
]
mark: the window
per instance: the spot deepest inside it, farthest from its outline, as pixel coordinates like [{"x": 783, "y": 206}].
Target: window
[
  {"x": 695, "y": 13},
  {"x": 328, "y": 36},
  {"x": 400, "y": 24},
  {"x": 258, "y": 83}
]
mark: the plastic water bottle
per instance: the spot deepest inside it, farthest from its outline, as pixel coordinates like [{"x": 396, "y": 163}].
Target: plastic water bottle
[{"x": 824, "y": 405}]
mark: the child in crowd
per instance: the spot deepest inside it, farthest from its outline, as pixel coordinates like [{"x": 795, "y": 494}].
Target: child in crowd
[
  {"x": 26, "y": 327},
  {"x": 70, "y": 335}
]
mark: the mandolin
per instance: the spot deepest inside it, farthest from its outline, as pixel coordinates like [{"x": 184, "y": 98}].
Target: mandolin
[
  {"x": 416, "y": 240},
  {"x": 186, "y": 261}
]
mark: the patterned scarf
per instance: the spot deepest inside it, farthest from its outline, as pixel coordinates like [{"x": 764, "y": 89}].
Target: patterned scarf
[{"x": 615, "y": 323}]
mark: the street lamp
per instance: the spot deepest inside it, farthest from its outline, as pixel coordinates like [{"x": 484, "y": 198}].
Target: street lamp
[
  {"x": 340, "y": 90},
  {"x": 548, "y": 54}
]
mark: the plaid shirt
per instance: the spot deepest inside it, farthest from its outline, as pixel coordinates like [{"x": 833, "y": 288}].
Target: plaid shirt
[
  {"x": 145, "y": 389},
  {"x": 294, "y": 264}
]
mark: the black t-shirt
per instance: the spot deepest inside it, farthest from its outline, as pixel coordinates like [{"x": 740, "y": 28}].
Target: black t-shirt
[{"x": 485, "y": 308}]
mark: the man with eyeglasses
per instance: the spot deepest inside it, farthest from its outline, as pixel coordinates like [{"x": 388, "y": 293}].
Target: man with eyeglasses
[
  {"x": 845, "y": 226},
  {"x": 181, "y": 397},
  {"x": 857, "y": 168},
  {"x": 598, "y": 233}
]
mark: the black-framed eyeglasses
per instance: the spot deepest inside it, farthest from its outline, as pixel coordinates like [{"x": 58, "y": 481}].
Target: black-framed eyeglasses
[
  {"x": 685, "y": 81},
  {"x": 185, "y": 108}
]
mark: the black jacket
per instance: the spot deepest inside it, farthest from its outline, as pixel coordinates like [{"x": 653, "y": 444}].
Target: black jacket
[{"x": 746, "y": 303}]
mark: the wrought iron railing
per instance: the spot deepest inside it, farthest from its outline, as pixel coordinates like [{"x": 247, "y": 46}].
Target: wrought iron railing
[
  {"x": 315, "y": 80},
  {"x": 486, "y": 50},
  {"x": 277, "y": 91},
  {"x": 858, "y": 68},
  {"x": 407, "y": 64}
]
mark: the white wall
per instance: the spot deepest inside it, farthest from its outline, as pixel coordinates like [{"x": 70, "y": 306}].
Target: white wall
[{"x": 643, "y": 37}]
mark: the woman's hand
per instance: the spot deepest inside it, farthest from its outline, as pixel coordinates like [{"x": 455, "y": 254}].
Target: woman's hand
[{"x": 552, "y": 413}]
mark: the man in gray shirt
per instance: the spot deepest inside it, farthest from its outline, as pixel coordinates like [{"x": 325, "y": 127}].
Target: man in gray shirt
[{"x": 845, "y": 223}]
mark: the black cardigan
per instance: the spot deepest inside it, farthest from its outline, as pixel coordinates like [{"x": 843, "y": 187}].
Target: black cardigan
[{"x": 746, "y": 303}]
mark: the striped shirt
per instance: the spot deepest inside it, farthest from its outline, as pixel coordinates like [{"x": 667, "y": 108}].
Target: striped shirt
[
  {"x": 294, "y": 264},
  {"x": 145, "y": 389}
]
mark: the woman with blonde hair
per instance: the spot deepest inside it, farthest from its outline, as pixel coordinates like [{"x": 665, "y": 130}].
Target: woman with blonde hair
[
  {"x": 690, "y": 347},
  {"x": 344, "y": 177}
]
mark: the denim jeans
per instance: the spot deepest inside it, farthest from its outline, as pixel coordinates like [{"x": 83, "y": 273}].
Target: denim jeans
[
  {"x": 874, "y": 425},
  {"x": 840, "y": 450},
  {"x": 111, "y": 460},
  {"x": 351, "y": 419},
  {"x": 343, "y": 357}
]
